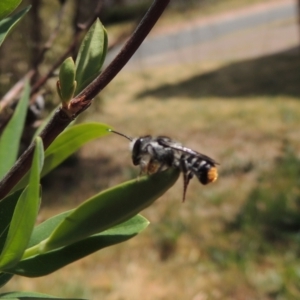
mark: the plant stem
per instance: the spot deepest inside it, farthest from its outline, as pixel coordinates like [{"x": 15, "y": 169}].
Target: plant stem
[
  {"x": 138, "y": 36},
  {"x": 62, "y": 118},
  {"x": 34, "y": 250}
]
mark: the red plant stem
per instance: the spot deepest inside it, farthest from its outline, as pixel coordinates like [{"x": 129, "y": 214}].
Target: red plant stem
[
  {"x": 62, "y": 118},
  {"x": 138, "y": 36}
]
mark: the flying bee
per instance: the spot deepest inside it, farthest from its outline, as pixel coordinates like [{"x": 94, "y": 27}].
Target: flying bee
[{"x": 154, "y": 154}]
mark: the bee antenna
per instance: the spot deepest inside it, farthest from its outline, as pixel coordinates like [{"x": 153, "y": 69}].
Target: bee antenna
[{"x": 121, "y": 134}]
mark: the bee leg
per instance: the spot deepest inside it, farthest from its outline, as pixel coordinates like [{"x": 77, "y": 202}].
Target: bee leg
[
  {"x": 187, "y": 176},
  {"x": 166, "y": 161},
  {"x": 143, "y": 168},
  {"x": 160, "y": 168},
  {"x": 152, "y": 166}
]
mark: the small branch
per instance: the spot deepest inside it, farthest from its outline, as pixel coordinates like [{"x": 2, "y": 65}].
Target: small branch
[
  {"x": 68, "y": 52},
  {"x": 62, "y": 119},
  {"x": 50, "y": 72},
  {"x": 56, "y": 125},
  {"x": 126, "y": 52},
  {"x": 35, "y": 35},
  {"x": 18, "y": 87},
  {"x": 15, "y": 90},
  {"x": 52, "y": 36}
]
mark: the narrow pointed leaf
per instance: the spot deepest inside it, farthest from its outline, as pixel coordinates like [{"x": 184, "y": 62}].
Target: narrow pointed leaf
[
  {"x": 91, "y": 56},
  {"x": 4, "y": 278},
  {"x": 25, "y": 214},
  {"x": 67, "y": 143},
  {"x": 44, "y": 123},
  {"x": 70, "y": 141},
  {"x": 44, "y": 230},
  {"x": 11, "y": 136},
  {"x": 7, "y": 7},
  {"x": 111, "y": 207},
  {"x": 7, "y": 207},
  {"x": 44, "y": 264},
  {"x": 8, "y": 23},
  {"x": 67, "y": 83}
]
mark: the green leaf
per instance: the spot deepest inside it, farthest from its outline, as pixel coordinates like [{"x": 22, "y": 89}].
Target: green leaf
[
  {"x": 44, "y": 264},
  {"x": 66, "y": 85},
  {"x": 66, "y": 144},
  {"x": 44, "y": 122},
  {"x": 31, "y": 296},
  {"x": 4, "y": 278},
  {"x": 91, "y": 56},
  {"x": 70, "y": 141},
  {"x": 8, "y": 23},
  {"x": 11, "y": 136},
  {"x": 44, "y": 230},
  {"x": 111, "y": 207},
  {"x": 25, "y": 214},
  {"x": 7, "y": 207},
  {"x": 7, "y": 7}
]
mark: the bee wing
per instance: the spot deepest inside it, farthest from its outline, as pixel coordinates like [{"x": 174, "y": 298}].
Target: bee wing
[
  {"x": 195, "y": 153},
  {"x": 178, "y": 147}
]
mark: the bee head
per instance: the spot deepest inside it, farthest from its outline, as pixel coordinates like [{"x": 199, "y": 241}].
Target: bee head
[{"x": 137, "y": 148}]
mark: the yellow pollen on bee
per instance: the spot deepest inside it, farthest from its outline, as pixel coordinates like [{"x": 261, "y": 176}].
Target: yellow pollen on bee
[
  {"x": 152, "y": 168},
  {"x": 212, "y": 174}
]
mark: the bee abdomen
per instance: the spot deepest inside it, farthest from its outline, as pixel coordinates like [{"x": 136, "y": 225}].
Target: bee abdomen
[
  {"x": 205, "y": 171},
  {"x": 210, "y": 174}
]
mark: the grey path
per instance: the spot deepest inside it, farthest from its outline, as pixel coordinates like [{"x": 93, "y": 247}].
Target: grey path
[{"x": 246, "y": 33}]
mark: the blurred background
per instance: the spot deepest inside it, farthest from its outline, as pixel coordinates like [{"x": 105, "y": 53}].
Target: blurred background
[{"x": 223, "y": 78}]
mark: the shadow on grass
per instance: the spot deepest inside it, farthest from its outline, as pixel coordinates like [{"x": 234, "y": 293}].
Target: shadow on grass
[
  {"x": 272, "y": 209},
  {"x": 276, "y": 74}
]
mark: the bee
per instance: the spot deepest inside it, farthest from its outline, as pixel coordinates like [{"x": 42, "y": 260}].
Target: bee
[{"x": 154, "y": 154}]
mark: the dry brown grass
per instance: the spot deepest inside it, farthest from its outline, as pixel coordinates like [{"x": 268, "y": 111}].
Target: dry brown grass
[{"x": 178, "y": 256}]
